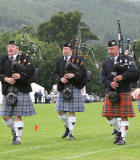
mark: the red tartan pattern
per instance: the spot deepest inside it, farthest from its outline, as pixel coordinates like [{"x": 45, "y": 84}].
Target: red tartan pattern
[{"x": 123, "y": 109}]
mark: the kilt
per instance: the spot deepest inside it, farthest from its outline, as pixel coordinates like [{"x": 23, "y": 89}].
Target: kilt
[
  {"x": 123, "y": 109},
  {"x": 24, "y": 106},
  {"x": 76, "y": 104}
]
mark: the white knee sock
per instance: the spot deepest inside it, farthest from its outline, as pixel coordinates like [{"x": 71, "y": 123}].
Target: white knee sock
[
  {"x": 115, "y": 123},
  {"x": 119, "y": 120},
  {"x": 64, "y": 118},
  {"x": 72, "y": 121},
  {"x": 124, "y": 128},
  {"x": 18, "y": 125},
  {"x": 9, "y": 123}
]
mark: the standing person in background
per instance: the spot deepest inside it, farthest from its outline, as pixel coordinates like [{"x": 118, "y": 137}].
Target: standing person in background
[
  {"x": 46, "y": 96},
  {"x": 69, "y": 86},
  {"x": 52, "y": 96},
  {"x": 40, "y": 96},
  {"x": 15, "y": 89},
  {"x": 36, "y": 97}
]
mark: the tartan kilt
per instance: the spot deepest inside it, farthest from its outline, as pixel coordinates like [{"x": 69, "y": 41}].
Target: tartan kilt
[
  {"x": 123, "y": 109},
  {"x": 24, "y": 106},
  {"x": 76, "y": 104}
]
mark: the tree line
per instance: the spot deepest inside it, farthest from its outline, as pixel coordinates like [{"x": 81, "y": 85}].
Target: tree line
[
  {"x": 51, "y": 35},
  {"x": 100, "y": 15}
]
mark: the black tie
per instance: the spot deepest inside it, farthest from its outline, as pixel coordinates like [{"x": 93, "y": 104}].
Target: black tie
[
  {"x": 66, "y": 58},
  {"x": 112, "y": 59},
  {"x": 11, "y": 58}
]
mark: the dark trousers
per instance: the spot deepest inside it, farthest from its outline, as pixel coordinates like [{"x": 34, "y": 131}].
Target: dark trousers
[{"x": 35, "y": 100}]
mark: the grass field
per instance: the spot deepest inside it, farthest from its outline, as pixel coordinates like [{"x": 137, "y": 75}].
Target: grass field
[{"x": 93, "y": 138}]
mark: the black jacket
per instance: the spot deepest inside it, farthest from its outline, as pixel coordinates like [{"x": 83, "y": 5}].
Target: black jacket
[
  {"x": 23, "y": 84},
  {"x": 78, "y": 81},
  {"x": 106, "y": 76}
]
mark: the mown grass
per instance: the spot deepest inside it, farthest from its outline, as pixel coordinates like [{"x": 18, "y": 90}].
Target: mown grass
[{"x": 93, "y": 137}]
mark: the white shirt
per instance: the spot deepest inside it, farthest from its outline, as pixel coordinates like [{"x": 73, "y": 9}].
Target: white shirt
[
  {"x": 68, "y": 58},
  {"x": 116, "y": 57},
  {"x": 13, "y": 57}
]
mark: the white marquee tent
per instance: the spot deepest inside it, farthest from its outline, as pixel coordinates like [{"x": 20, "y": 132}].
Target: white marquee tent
[{"x": 35, "y": 88}]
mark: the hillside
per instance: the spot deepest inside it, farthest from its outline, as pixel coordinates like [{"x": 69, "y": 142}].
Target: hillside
[{"x": 100, "y": 15}]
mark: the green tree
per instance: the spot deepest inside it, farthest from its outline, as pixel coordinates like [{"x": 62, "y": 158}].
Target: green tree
[
  {"x": 4, "y": 38},
  {"x": 137, "y": 52},
  {"x": 50, "y": 52},
  {"x": 95, "y": 85},
  {"x": 63, "y": 27}
]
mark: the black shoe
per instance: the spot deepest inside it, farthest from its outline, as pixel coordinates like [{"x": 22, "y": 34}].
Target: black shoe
[
  {"x": 71, "y": 137},
  {"x": 114, "y": 131},
  {"x": 121, "y": 141},
  {"x": 16, "y": 142},
  {"x": 14, "y": 135},
  {"x": 65, "y": 134},
  {"x": 117, "y": 137}
]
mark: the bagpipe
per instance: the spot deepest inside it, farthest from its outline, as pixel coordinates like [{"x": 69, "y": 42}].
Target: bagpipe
[
  {"x": 127, "y": 57},
  {"x": 24, "y": 60},
  {"x": 22, "y": 65},
  {"x": 125, "y": 61},
  {"x": 77, "y": 61}
]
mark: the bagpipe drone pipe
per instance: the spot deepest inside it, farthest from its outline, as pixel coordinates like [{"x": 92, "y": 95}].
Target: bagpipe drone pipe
[
  {"x": 24, "y": 62},
  {"x": 127, "y": 57},
  {"x": 22, "y": 65},
  {"x": 78, "y": 59},
  {"x": 75, "y": 66}
]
